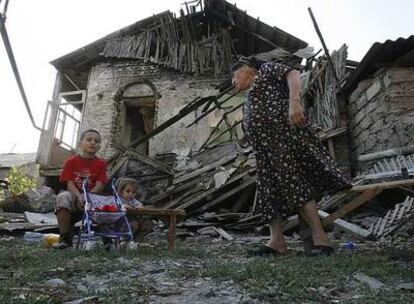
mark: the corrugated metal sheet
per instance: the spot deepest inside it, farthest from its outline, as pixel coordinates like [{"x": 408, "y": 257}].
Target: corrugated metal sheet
[{"x": 399, "y": 53}]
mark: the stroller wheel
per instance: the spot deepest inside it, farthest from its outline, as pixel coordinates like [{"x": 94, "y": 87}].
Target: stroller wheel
[
  {"x": 133, "y": 245},
  {"x": 89, "y": 246}
]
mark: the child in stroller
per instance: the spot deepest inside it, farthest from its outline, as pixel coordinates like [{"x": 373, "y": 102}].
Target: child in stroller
[
  {"x": 108, "y": 214},
  {"x": 127, "y": 189}
]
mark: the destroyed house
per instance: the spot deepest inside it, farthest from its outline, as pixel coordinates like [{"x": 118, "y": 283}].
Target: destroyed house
[
  {"x": 159, "y": 93},
  {"x": 132, "y": 81}
]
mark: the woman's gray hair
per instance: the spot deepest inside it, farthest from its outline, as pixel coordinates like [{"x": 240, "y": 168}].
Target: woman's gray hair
[
  {"x": 278, "y": 55},
  {"x": 251, "y": 62}
]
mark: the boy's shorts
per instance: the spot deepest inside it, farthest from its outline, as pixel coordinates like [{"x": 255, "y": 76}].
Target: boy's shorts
[{"x": 67, "y": 200}]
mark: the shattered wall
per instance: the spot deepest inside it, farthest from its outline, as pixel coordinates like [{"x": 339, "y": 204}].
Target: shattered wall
[
  {"x": 173, "y": 89},
  {"x": 382, "y": 112}
]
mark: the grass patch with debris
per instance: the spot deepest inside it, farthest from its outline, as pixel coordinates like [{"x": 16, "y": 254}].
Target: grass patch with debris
[{"x": 139, "y": 276}]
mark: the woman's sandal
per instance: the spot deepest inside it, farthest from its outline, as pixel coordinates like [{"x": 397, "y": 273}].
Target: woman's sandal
[
  {"x": 320, "y": 250},
  {"x": 265, "y": 250}
]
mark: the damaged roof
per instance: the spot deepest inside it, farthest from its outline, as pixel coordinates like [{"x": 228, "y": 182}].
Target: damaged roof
[
  {"x": 398, "y": 53},
  {"x": 250, "y": 35}
]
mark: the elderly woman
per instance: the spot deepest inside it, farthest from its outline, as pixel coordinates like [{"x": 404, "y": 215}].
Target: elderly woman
[{"x": 294, "y": 168}]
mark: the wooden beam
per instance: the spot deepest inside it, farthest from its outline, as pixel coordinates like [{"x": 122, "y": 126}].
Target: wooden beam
[
  {"x": 383, "y": 186},
  {"x": 226, "y": 195},
  {"x": 181, "y": 114},
  {"x": 355, "y": 203},
  {"x": 204, "y": 169},
  {"x": 149, "y": 161},
  {"x": 171, "y": 232},
  {"x": 205, "y": 194},
  {"x": 154, "y": 211},
  {"x": 348, "y": 227},
  {"x": 386, "y": 153}
]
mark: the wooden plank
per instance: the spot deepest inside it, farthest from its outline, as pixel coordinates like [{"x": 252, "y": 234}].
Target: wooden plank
[
  {"x": 380, "y": 221},
  {"x": 117, "y": 166},
  {"x": 291, "y": 223},
  {"x": 324, "y": 135},
  {"x": 245, "y": 220},
  {"x": 370, "y": 282},
  {"x": 331, "y": 148},
  {"x": 355, "y": 203},
  {"x": 154, "y": 211},
  {"x": 157, "y": 198},
  {"x": 383, "y": 186},
  {"x": 394, "y": 214},
  {"x": 348, "y": 227},
  {"x": 212, "y": 190},
  {"x": 24, "y": 226},
  {"x": 223, "y": 233},
  {"x": 226, "y": 195},
  {"x": 404, "y": 209},
  {"x": 149, "y": 161},
  {"x": 380, "y": 228},
  {"x": 401, "y": 222},
  {"x": 189, "y": 108},
  {"x": 12, "y": 215},
  {"x": 335, "y": 200},
  {"x": 171, "y": 232},
  {"x": 41, "y": 218},
  {"x": 204, "y": 169},
  {"x": 386, "y": 153},
  {"x": 195, "y": 191}
]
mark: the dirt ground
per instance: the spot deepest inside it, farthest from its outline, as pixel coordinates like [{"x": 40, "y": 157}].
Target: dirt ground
[{"x": 204, "y": 270}]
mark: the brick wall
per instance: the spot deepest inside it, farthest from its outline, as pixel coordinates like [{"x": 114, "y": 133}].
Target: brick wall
[
  {"x": 175, "y": 90},
  {"x": 381, "y": 112}
]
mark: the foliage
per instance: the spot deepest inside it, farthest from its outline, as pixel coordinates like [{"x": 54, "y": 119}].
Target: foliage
[{"x": 19, "y": 182}]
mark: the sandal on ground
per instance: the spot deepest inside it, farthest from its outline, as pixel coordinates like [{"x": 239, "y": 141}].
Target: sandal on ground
[
  {"x": 320, "y": 250},
  {"x": 265, "y": 250}
]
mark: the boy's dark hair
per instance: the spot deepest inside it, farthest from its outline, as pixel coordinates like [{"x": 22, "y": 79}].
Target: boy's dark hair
[{"x": 89, "y": 131}]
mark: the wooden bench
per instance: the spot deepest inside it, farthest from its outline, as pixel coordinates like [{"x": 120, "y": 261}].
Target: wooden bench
[{"x": 171, "y": 213}]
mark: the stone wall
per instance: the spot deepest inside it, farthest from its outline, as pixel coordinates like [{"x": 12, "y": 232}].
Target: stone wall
[
  {"x": 174, "y": 91},
  {"x": 381, "y": 112}
]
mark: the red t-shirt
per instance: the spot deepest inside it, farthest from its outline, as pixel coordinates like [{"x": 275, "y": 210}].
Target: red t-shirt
[{"x": 77, "y": 169}]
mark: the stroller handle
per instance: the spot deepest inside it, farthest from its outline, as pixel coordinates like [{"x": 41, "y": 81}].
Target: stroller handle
[
  {"x": 87, "y": 197},
  {"x": 118, "y": 200}
]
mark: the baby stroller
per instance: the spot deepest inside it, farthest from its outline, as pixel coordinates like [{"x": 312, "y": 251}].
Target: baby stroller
[{"x": 104, "y": 212}]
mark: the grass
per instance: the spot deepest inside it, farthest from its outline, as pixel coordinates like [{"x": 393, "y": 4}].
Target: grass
[{"x": 294, "y": 279}]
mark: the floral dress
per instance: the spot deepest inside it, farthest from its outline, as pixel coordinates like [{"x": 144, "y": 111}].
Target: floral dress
[{"x": 293, "y": 166}]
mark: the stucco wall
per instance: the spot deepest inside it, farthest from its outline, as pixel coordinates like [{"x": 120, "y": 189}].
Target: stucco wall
[{"x": 174, "y": 91}]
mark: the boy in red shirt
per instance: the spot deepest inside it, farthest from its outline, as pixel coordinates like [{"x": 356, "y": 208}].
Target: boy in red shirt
[{"x": 69, "y": 203}]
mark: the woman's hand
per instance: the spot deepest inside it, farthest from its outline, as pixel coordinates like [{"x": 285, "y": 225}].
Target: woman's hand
[{"x": 296, "y": 115}]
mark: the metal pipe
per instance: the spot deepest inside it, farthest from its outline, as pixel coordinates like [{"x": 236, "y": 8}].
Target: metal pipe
[{"x": 15, "y": 69}]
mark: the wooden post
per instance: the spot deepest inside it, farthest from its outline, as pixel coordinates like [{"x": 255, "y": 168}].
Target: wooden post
[
  {"x": 171, "y": 232},
  {"x": 46, "y": 137}
]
